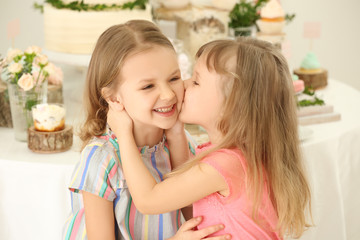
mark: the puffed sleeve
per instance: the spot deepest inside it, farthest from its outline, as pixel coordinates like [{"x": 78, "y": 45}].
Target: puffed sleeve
[{"x": 97, "y": 172}]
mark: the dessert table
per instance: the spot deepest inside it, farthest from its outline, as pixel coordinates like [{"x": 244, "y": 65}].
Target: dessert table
[
  {"x": 332, "y": 157},
  {"x": 35, "y": 202}
]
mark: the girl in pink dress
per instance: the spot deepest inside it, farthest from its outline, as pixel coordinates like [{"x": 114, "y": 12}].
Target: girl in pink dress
[{"x": 250, "y": 176}]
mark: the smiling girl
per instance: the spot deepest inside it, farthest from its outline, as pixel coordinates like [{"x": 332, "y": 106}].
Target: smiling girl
[{"x": 135, "y": 64}]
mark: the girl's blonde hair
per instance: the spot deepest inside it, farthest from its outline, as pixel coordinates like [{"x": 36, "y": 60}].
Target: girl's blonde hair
[
  {"x": 112, "y": 48},
  {"x": 259, "y": 118}
]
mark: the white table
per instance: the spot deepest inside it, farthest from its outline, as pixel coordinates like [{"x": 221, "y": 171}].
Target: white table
[
  {"x": 332, "y": 156},
  {"x": 35, "y": 202}
]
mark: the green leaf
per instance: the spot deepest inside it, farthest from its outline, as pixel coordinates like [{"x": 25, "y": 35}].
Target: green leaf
[
  {"x": 81, "y": 6},
  {"x": 245, "y": 14},
  {"x": 309, "y": 91},
  {"x": 306, "y": 102},
  {"x": 29, "y": 104}
]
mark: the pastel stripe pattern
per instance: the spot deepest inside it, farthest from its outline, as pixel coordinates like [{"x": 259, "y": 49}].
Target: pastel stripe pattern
[{"x": 99, "y": 172}]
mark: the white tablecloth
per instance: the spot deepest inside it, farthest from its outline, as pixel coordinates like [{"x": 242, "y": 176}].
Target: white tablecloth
[
  {"x": 35, "y": 202},
  {"x": 332, "y": 156}
]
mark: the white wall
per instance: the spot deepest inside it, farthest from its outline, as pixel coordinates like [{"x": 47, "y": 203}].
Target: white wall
[{"x": 337, "y": 49}]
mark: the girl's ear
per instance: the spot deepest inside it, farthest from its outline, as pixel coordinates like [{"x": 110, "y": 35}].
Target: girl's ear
[{"x": 114, "y": 101}]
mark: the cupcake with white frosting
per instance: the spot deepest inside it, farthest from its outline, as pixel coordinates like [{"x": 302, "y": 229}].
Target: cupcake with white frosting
[
  {"x": 272, "y": 19},
  {"x": 48, "y": 117}
]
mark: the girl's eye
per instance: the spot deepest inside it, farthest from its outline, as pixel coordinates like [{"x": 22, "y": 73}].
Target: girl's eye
[
  {"x": 148, "y": 86},
  {"x": 174, "y": 79},
  {"x": 195, "y": 83}
]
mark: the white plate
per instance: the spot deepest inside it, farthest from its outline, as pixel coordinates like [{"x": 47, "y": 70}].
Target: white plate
[{"x": 304, "y": 133}]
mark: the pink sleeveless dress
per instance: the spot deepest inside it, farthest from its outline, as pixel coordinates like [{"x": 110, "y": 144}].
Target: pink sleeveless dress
[{"x": 235, "y": 210}]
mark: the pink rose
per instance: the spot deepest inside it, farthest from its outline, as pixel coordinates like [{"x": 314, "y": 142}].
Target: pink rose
[
  {"x": 41, "y": 60},
  {"x": 55, "y": 74},
  {"x": 12, "y": 53},
  {"x": 15, "y": 68},
  {"x": 33, "y": 49},
  {"x": 26, "y": 81}
]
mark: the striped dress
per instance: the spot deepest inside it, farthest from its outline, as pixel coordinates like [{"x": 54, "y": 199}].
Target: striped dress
[{"x": 99, "y": 172}]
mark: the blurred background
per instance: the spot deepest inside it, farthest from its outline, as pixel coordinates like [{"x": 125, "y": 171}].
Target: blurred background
[{"x": 337, "y": 48}]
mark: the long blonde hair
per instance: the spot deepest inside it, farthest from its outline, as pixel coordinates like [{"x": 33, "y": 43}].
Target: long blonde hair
[
  {"x": 112, "y": 48},
  {"x": 259, "y": 118}
]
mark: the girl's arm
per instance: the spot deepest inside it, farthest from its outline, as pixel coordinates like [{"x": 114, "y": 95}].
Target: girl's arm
[
  {"x": 178, "y": 144},
  {"x": 179, "y": 153},
  {"x": 172, "y": 193},
  {"x": 99, "y": 217}
]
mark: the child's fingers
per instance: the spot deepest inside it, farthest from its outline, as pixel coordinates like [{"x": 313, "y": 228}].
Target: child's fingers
[
  {"x": 190, "y": 224},
  {"x": 222, "y": 237},
  {"x": 210, "y": 230}
]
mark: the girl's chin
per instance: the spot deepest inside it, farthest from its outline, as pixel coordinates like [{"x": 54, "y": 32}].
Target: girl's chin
[{"x": 182, "y": 117}]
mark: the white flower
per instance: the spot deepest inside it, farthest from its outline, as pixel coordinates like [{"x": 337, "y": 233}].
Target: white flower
[
  {"x": 15, "y": 68},
  {"x": 33, "y": 49},
  {"x": 55, "y": 74},
  {"x": 26, "y": 81},
  {"x": 12, "y": 53},
  {"x": 41, "y": 60}
]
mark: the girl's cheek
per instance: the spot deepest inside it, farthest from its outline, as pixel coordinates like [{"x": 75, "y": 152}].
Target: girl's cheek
[{"x": 180, "y": 92}]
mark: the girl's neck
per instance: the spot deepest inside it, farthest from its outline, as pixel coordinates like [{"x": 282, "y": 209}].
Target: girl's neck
[
  {"x": 147, "y": 136},
  {"x": 215, "y": 135}
]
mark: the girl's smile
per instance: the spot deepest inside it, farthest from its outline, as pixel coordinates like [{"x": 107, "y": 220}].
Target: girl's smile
[{"x": 166, "y": 111}]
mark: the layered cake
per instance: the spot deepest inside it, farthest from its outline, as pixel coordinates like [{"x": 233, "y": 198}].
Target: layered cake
[
  {"x": 76, "y": 32},
  {"x": 197, "y": 21},
  {"x": 311, "y": 72},
  {"x": 272, "y": 22},
  {"x": 171, "y": 4},
  {"x": 48, "y": 117}
]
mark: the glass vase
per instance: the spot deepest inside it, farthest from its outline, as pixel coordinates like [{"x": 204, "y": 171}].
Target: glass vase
[
  {"x": 244, "y": 31},
  {"x": 21, "y": 103}
]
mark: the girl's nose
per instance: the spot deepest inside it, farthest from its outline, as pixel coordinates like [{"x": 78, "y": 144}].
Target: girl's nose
[{"x": 166, "y": 93}]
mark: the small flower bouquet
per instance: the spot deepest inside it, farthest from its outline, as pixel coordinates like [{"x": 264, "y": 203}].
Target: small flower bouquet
[
  {"x": 29, "y": 69},
  {"x": 27, "y": 75}
]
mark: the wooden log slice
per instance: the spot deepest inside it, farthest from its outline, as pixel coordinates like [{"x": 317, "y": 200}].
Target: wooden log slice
[
  {"x": 5, "y": 113},
  {"x": 50, "y": 142},
  {"x": 314, "y": 80}
]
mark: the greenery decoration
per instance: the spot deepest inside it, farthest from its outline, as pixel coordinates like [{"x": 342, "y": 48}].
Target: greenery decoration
[
  {"x": 81, "y": 6},
  {"x": 307, "y": 102},
  {"x": 245, "y": 14}
]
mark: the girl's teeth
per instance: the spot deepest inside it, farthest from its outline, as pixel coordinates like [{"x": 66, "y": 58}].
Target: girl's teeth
[{"x": 164, "y": 109}]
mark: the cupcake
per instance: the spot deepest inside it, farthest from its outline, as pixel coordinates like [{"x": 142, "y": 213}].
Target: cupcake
[
  {"x": 311, "y": 72},
  {"x": 48, "y": 117},
  {"x": 310, "y": 64},
  {"x": 272, "y": 19}
]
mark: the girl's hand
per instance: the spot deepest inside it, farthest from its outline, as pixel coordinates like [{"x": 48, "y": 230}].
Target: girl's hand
[
  {"x": 187, "y": 232},
  {"x": 119, "y": 120}
]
